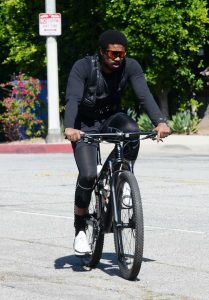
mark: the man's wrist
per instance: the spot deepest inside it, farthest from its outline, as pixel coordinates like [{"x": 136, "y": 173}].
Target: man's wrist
[{"x": 162, "y": 120}]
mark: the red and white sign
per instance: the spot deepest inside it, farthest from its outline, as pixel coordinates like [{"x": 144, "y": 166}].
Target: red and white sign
[{"x": 50, "y": 24}]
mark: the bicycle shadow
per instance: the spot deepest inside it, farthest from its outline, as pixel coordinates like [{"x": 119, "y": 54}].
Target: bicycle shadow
[{"x": 108, "y": 264}]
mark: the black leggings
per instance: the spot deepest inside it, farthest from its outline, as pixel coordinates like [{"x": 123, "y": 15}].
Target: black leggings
[{"x": 86, "y": 154}]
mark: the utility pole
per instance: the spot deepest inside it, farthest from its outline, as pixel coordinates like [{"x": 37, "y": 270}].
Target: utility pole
[{"x": 54, "y": 131}]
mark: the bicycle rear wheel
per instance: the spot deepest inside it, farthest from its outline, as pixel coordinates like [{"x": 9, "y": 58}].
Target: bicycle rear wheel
[
  {"x": 94, "y": 233},
  {"x": 129, "y": 237}
]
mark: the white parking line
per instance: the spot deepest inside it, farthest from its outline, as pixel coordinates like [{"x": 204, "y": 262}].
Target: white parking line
[
  {"x": 175, "y": 229},
  {"x": 44, "y": 215},
  {"x": 149, "y": 227}
]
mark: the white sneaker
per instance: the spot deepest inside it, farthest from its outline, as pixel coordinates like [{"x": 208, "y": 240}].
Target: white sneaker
[
  {"x": 126, "y": 197},
  {"x": 81, "y": 245}
]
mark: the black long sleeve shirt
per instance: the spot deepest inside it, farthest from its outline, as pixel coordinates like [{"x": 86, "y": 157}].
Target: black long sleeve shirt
[{"x": 133, "y": 74}]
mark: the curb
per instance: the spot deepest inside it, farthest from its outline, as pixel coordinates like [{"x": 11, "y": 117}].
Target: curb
[
  {"x": 35, "y": 148},
  {"x": 176, "y": 144}
]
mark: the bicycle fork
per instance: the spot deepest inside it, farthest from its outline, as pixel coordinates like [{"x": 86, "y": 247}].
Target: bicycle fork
[{"x": 116, "y": 216}]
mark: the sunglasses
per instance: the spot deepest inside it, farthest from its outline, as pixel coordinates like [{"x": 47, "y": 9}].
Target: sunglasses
[{"x": 114, "y": 54}]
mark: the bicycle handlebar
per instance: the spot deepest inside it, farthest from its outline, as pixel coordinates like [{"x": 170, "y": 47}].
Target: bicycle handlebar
[{"x": 117, "y": 136}]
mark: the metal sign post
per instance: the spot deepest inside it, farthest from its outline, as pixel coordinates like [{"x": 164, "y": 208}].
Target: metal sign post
[{"x": 50, "y": 26}]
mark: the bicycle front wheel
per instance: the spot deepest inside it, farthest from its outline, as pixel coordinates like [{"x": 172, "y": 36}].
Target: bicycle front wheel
[{"x": 129, "y": 234}]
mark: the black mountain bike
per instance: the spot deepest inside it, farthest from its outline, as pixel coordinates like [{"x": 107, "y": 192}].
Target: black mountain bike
[{"x": 116, "y": 206}]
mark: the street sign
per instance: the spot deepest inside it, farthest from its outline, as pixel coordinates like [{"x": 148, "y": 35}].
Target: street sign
[{"x": 50, "y": 24}]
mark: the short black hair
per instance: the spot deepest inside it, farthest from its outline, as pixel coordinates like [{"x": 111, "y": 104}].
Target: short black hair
[{"x": 112, "y": 36}]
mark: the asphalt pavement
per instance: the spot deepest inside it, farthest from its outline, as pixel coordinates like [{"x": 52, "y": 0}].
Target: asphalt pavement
[{"x": 36, "y": 227}]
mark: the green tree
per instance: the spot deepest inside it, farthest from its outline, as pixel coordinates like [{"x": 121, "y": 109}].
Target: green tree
[
  {"x": 165, "y": 36},
  {"x": 82, "y": 22},
  {"x": 19, "y": 35},
  {"x": 23, "y": 50}
]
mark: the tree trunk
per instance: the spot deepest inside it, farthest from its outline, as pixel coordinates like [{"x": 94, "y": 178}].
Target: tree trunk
[
  {"x": 163, "y": 102},
  {"x": 203, "y": 127}
]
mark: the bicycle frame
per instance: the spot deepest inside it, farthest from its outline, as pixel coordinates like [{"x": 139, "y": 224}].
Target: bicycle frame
[
  {"x": 114, "y": 165},
  {"x": 114, "y": 168}
]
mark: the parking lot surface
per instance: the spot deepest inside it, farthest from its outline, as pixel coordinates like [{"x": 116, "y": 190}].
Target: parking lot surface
[{"x": 36, "y": 230}]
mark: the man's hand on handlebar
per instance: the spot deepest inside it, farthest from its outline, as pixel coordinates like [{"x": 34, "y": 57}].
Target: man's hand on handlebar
[
  {"x": 72, "y": 134},
  {"x": 162, "y": 131}
]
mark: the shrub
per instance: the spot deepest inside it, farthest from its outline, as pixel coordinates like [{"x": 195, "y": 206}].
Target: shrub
[
  {"x": 132, "y": 113},
  {"x": 144, "y": 123},
  {"x": 184, "y": 122},
  {"x": 21, "y": 108}
]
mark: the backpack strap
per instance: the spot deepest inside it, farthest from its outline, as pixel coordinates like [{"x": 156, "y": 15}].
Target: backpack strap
[
  {"x": 89, "y": 98},
  {"x": 94, "y": 73}
]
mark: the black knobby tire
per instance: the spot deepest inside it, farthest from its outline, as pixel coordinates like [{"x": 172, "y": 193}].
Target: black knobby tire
[
  {"x": 94, "y": 233},
  {"x": 129, "y": 238}
]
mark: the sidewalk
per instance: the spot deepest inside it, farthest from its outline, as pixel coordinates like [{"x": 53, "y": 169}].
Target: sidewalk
[{"x": 177, "y": 144}]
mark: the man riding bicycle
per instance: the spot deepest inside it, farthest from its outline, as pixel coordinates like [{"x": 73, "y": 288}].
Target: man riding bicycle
[{"x": 93, "y": 95}]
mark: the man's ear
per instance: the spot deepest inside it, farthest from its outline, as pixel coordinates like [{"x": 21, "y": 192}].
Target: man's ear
[{"x": 101, "y": 51}]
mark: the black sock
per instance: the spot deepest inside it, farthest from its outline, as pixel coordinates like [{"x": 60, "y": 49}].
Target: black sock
[{"x": 79, "y": 223}]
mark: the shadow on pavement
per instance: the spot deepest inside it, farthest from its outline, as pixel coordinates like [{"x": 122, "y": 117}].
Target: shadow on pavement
[{"x": 107, "y": 264}]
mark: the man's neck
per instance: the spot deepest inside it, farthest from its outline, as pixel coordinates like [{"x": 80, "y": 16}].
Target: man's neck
[{"x": 105, "y": 69}]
